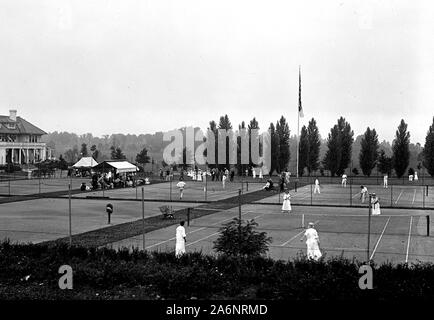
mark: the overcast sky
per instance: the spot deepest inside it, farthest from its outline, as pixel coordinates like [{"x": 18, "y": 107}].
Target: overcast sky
[{"x": 144, "y": 66}]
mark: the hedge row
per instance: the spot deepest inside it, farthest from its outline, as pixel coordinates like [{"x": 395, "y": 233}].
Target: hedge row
[{"x": 31, "y": 272}]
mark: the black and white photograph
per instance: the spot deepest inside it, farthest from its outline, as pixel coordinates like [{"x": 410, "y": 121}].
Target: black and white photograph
[{"x": 216, "y": 158}]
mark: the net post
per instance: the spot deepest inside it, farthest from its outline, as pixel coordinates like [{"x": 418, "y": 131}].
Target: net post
[
  {"x": 143, "y": 217},
  {"x": 188, "y": 216},
  {"x": 295, "y": 186},
  {"x": 351, "y": 193},
  {"x": 369, "y": 227},
  {"x": 302, "y": 220},
  {"x": 247, "y": 185},
  {"x": 427, "y": 225},
  {"x": 427, "y": 190},
  {"x": 9, "y": 185}
]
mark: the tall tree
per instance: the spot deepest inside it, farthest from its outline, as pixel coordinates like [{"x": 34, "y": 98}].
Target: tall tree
[
  {"x": 274, "y": 149},
  {"x": 95, "y": 152},
  {"x": 240, "y": 166},
  {"x": 401, "y": 151},
  {"x": 314, "y": 144},
  {"x": 142, "y": 157},
  {"x": 369, "y": 151},
  {"x": 71, "y": 155},
  {"x": 253, "y": 125},
  {"x": 225, "y": 124},
  {"x": 339, "y": 143},
  {"x": 428, "y": 150},
  {"x": 83, "y": 150},
  {"x": 212, "y": 130},
  {"x": 282, "y": 131},
  {"x": 303, "y": 153},
  {"x": 117, "y": 154},
  {"x": 384, "y": 163}
]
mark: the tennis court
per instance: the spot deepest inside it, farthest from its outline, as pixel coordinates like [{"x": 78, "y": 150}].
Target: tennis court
[
  {"x": 407, "y": 196},
  {"x": 48, "y": 219},
  {"x": 20, "y": 187},
  {"x": 193, "y": 191},
  {"x": 397, "y": 235}
]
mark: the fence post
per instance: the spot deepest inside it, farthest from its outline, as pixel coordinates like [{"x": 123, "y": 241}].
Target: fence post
[
  {"x": 170, "y": 196},
  {"x": 427, "y": 225},
  {"x": 143, "y": 216},
  {"x": 188, "y": 216},
  {"x": 391, "y": 195},
  {"x": 70, "y": 213},
  {"x": 369, "y": 226},
  {"x": 295, "y": 186},
  {"x": 311, "y": 195},
  {"x": 351, "y": 193},
  {"x": 423, "y": 197}
]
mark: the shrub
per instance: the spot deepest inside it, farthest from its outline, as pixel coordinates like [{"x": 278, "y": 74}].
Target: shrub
[{"x": 239, "y": 238}]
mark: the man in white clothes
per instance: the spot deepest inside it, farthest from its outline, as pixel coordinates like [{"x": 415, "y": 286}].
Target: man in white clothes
[
  {"x": 317, "y": 187},
  {"x": 415, "y": 176},
  {"x": 344, "y": 180},
  {"x": 312, "y": 242},
  {"x": 385, "y": 181},
  {"x": 363, "y": 193},
  {"x": 181, "y": 239}
]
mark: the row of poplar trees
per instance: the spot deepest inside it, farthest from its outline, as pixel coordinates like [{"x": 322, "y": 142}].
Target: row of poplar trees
[{"x": 339, "y": 150}]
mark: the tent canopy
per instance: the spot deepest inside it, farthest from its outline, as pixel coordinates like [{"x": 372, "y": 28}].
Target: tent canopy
[
  {"x": 119, "y": 166},
  {"x": 85, "y": 162}
]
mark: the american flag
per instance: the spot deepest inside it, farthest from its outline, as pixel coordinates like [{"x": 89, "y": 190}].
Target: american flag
[{"x": 300, "y": 108}]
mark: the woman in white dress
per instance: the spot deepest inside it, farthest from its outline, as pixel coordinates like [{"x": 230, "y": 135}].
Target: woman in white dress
[
  {"x": 286, "y": 205},
  {"x": 199, "y": 175},
  {"x": 312, "y": 242},
  {"x": 253, "y": 173},
  {"x": 375, "y": 205},
  {"x": 260, "y": 174}
]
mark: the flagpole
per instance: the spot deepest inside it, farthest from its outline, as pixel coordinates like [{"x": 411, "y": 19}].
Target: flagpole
[{"x": 298, "y": 115}]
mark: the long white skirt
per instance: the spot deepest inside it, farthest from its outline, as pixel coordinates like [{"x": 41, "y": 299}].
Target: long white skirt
[
  {"x": 179, "y": 248},
  {"x": 286, "y": 205},
  {"x": 313, "y": 251},
  {"x": 376, "y": 209}
]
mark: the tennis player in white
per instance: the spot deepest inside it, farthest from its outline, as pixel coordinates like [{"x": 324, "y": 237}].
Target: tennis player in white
[
  {"x": 181, "y": 238},
  {"x": 181, "y": 185},
  {"x": 363, "y": 193},
  {"x": 344, "y": 180},
  {"x": 317, "y": 188},
  {"x": 312, "y": 242},
  {"x": 385, "y": 181}
]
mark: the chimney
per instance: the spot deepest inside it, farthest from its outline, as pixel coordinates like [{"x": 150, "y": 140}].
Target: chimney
[{"x": 13, "y": 115}]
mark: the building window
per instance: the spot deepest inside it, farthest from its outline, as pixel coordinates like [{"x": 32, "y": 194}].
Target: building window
[{"x": 10, "y": 125}]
